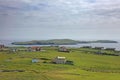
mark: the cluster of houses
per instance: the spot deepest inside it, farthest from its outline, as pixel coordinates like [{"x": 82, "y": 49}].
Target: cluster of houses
[
  {"x": 99, "y": 48},
  {"x": 29, "y": 49},
  {"x": 33, "y": 49},
  {"x": 56, "y": 60},
  {"x": 100, "y": 52}
]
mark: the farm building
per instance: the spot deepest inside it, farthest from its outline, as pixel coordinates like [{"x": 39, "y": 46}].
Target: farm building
[
  {"x": 59, "y": 60},
  {"x": 34, "y": 48},
  {"x": 63, "y": 49}
]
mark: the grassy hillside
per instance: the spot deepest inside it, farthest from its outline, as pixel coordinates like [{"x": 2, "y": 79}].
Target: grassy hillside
[{"x": 86, "y": 66}]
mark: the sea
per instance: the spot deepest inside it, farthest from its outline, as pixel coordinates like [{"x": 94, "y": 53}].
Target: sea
[{"x": 105, "y": 45}]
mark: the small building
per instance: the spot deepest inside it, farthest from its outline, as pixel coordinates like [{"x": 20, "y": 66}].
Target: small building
[
  {"x": 35, "y": 60},
  {"x": 59, "y": 60},
  {"x": 63, "y": 49},
  {"x": 34, "y": 48}
]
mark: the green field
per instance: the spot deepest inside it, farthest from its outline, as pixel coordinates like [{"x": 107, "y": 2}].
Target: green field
[{"x": 87, "y": 66}]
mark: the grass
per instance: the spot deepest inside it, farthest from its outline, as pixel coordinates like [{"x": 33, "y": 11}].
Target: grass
[{"x": 86, "y": 66}]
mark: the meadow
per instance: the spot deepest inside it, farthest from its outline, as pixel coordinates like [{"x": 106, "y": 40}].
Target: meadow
[{"x": 86, "y": 65}]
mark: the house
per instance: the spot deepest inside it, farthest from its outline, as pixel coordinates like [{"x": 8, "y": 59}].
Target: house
[
  {"x": 59, "y": 60},
  {"x": 63, "y": 49},
  {"x": 34, "y": 48}
]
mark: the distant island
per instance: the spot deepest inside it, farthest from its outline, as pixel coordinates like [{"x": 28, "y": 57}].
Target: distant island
[{"x": 60, "y": 42}]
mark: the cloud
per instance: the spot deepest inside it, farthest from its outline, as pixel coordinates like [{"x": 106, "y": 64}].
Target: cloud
[
  {"x": 60, "y": 18},
  {"x": 68, "y": 6},
  {"x": 57, "y": 10},
  {"x": 21, "y": 5}
]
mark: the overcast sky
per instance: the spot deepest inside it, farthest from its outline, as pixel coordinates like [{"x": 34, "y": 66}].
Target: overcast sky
[{"x": 57, "y": 19}]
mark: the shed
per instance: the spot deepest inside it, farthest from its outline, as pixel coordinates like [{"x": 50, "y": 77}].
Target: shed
[{"x": 35, "y": 60}]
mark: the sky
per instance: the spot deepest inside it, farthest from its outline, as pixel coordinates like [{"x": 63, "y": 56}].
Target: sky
[{"x": 60, "y": 19}]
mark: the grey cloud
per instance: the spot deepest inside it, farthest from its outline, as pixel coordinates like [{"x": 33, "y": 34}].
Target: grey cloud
[{"x": 113, "y": 13}]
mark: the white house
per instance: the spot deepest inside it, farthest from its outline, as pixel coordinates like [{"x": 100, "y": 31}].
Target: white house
[{"x": 59, "y": 60}]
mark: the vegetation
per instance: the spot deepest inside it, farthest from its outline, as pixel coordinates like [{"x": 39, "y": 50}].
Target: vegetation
[
  {"x": 60, "y": 42},
  {"x": 86, "y": 65}
]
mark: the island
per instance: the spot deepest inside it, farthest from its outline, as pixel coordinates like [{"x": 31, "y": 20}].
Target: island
[
  {"x": 48, "y": 42},
  {"x": 60, "y": 42}
]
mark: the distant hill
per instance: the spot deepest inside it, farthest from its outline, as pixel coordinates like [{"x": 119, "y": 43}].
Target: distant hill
[{"x": 60, "y": 42}]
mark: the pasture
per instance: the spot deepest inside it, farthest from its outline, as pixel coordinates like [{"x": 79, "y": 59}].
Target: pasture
[{"x": 86, "y": 66}]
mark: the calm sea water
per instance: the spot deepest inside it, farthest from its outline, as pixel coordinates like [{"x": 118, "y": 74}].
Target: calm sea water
[{"x": 105, "y": 45}]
